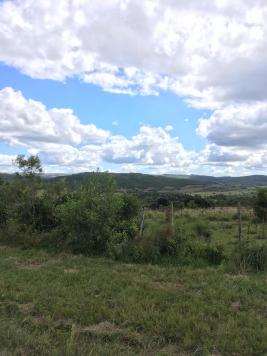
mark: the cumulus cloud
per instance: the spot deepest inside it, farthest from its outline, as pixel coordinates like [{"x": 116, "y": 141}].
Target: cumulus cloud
[
  {"x": 241, "y": 160},
  {"x": 6, "y": 162},
  {"x": 237, "y": 136},
  {"x": 211, "y": 53},
  {"x": 240, "y": 125},
  {"x": 69, "y": 159},
  {"x": 202, "y": 50},
  {"x": 152, "y": 146},
  {"x": 26, "y": 122},
  {"x": 65, "y": 144}
]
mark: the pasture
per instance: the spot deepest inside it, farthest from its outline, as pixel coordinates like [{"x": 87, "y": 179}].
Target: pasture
[
  {"x": 64, "y": 304},
  {"x": 60, "y": 304}
]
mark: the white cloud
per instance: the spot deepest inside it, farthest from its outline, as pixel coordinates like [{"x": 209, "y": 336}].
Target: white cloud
[
  {"x": 28, "y": 123},
  {"x": 240, "y": 125},
  {"x": 6, "y": 163},
  {"x": 152, "y": 146},
  {"x": 212, "y": 53},
  {"x": 64, "y": 144},
  {"x": 237, "y": 136},
  {"x": 168, "y": 128},
  {"x": 66, "y": 158},
  {"x": 202, "y": 50}
]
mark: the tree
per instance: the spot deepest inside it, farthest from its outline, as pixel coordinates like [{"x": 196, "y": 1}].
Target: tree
[
  {"x": 3, "y": 203},
  {"x": 30, "y": 167},
  {"x": 29, "y": 187},
  {"x": 260, "y": 206}
]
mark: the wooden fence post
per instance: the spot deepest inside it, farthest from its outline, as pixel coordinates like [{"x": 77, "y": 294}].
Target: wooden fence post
[
  {"x": 172, "y": 217},
  {"x": 142, "y": 224},
  {"x": 239, "y": 223}
]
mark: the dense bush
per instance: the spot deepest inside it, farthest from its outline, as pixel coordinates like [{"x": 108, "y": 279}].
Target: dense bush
[
  {"x": 96, "y": 215},
  {"x": 212, "y": 254},
  {"x": 260, "y": 205},
  {"x": 201, "y": 229},
  {"x": 250, "y": 258},
  {"x": 34, "y": 212}
]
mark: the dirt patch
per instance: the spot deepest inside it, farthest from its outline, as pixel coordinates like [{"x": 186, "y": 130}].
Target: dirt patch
[
  {"x": 26, "y": 308},
  {"x": 39, "y": 320},
  {"x": 166, "y": 285},
  {"x": 237, "y": 276},
  {"x": 170, "y": 349},
  {"x": 71, "y": 270},
  {"x": 106, "y": 329},
  {"x": 103, "y": 328},
  {"x": 236, "y": 305},
  {"x": 29, "y": 264}
]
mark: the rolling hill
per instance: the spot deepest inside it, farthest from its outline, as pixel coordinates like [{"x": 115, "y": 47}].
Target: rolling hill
[{"x": 166, "y": 183}]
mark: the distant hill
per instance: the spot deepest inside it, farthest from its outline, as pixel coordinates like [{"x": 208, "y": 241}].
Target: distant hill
[
  {"x": 136, "y": 181},
  {"x": 168, "y": 183},
  {"x": 254, "y": 180},
  {"x": 6, "y": 176},
  {"x": 164, "y": 183}
]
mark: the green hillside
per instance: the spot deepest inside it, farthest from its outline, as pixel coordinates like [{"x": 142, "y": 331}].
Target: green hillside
[
  {"x": 166, "y": 183},
  {"x": 135, "y": 181}
]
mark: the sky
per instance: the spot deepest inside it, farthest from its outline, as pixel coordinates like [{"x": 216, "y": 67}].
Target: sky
[{"x": 150, "y": 86}]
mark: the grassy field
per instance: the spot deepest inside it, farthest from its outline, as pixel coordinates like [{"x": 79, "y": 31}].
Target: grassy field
[
  {"x": 220, "y": 224},
  {"x": 60, "y": 304}
]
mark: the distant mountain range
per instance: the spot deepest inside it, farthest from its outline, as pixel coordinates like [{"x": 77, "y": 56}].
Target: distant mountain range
[{"x": 166, "y": 183}]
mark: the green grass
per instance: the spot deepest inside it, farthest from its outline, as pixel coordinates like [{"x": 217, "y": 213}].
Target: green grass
[
  {"x": 221, "y": 222},
  {"x": 60, "y": 304}
]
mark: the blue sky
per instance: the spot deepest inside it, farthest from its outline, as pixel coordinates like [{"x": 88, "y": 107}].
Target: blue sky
[
  {"x": 124, "y": 86},
  {"x": 93, "y": 105}
]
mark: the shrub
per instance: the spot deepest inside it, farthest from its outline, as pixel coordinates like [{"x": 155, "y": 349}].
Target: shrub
[
  {"x": 260, "y": 206},
  {"x": 201, "y": 230},
  {"x": 214, "y": 255},
  {"x": 18, "y": 234},
  {"x": 95, "y": 215},
  {"x": 250, "y": 258}
]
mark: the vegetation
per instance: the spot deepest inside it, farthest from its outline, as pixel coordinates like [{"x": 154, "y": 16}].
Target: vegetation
[
  {"x": 260, "y": 206},
  {"x": 194, "y": 282},
  {"x": 60, "y": 304}
]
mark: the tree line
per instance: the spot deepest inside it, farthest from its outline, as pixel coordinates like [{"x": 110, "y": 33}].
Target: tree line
[
  {"x": 95, "y": 218},
  {"x": 36, "y": 212}
]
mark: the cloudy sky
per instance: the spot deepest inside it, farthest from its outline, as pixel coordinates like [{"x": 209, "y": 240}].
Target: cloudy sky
[{"x": 153, "y": 86}]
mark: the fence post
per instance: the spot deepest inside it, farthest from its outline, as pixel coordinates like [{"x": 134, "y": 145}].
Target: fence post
[
  {"x": 263, "y": 228},
  {"x": 239, "y": 222},
  {"x": 142, "y": 222},
  {"x": 172, "y": 217}
]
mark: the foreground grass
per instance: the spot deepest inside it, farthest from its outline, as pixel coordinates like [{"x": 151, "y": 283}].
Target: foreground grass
[{"x": 72, "y": 305}]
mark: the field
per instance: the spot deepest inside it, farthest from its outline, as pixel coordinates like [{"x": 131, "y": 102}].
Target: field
[
  {"x": 79, "y": 276},
  {"x": 211, "y": 227},
  {"x": 64, "y": 304}
]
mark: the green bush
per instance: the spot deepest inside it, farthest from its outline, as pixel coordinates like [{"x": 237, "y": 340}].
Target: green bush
[
  {"x": 95, "y": 215},
  {"x": 201, "y": 229},
  {"x": 260, "y": 205},
  {"x": 250, "y": 258},
  {"x": 18, "y": 234},
  {"x": 213, "y": 255}
]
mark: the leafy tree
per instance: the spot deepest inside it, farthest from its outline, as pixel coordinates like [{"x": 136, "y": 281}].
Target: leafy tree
[
  {"x": 260, "y": 206},
  {"x": 3, "y": 203},
  {"x": 29, "y": 188},
  {"x": 30, "y": 167}
]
